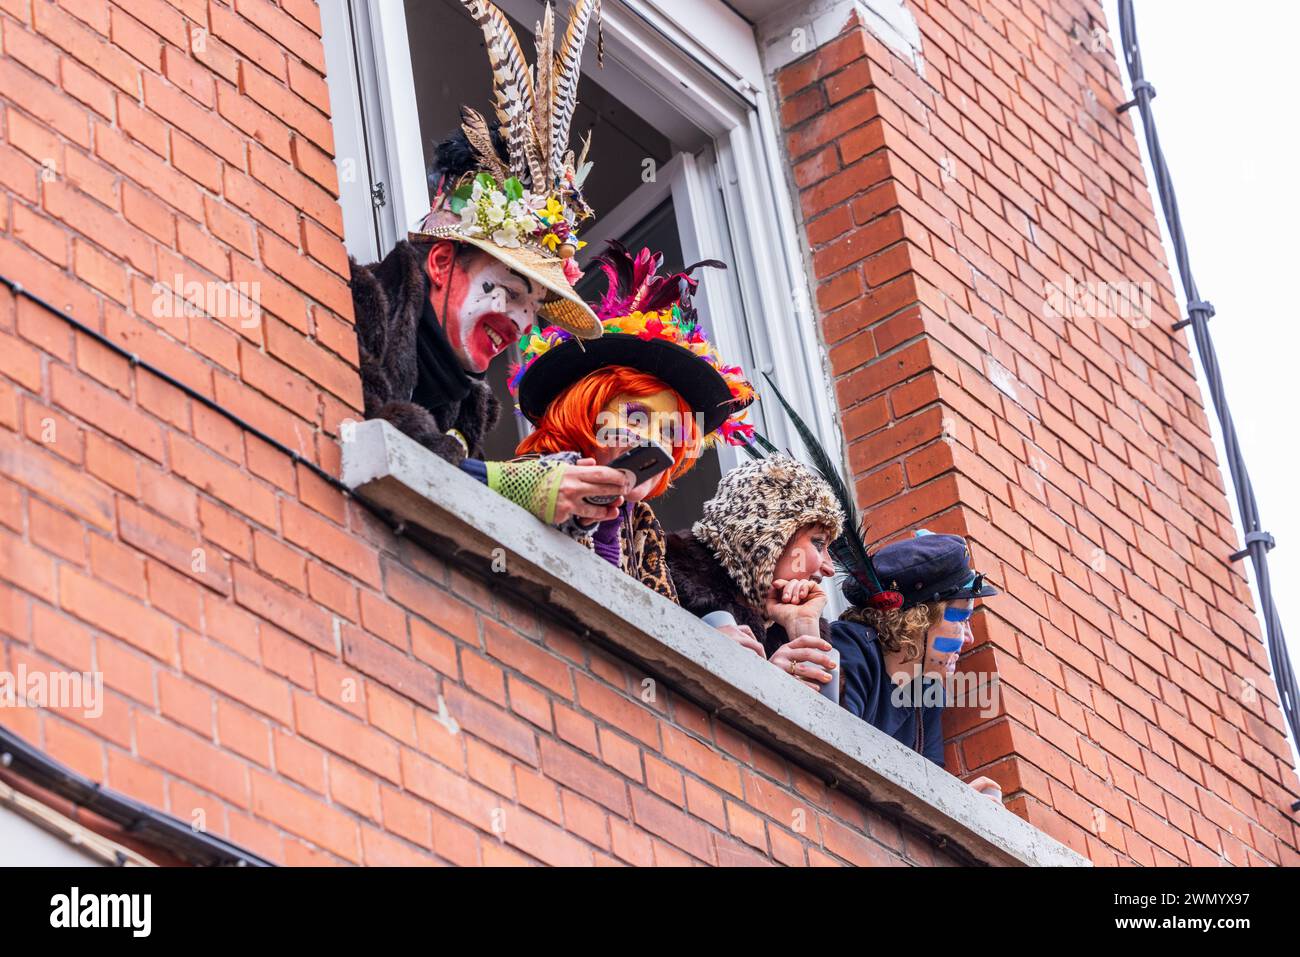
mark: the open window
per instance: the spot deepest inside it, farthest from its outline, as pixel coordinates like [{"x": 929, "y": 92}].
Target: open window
[{"x": 685, "y": 162}]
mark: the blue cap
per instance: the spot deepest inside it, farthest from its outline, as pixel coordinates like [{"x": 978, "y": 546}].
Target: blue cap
[{"x": 929, "y": 568}]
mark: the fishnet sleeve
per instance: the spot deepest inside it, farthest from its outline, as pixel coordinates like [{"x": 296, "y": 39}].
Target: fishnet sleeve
[{"x": 532, "y": 484}]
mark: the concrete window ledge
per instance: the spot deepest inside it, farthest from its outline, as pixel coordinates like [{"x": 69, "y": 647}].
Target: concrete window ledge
[{"x": 461, "y": 515}]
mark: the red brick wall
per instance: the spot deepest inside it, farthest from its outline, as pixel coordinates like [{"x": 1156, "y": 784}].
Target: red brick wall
[
  {"x": 274, "y": 658},
  {"x": 1138, "y": 722}
]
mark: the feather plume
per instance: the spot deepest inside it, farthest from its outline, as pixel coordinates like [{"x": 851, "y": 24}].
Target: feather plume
[
  {"x": 759, "y": 447},
  {"x": 479, "y": 136},
  {"x": 586, "y": 148},
  {"x": 568, "y": 65},
  {"x": 662, "y": 292},
  {"x": 544, "y": 90},
  {"x": 535, "y": 158},
  {"x": 512, "y": 81},
  {"x": 636, "y": 286},
  {"x": 849, "y": 551}
]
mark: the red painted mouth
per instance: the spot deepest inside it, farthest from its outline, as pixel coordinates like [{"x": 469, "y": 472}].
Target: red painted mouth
[{"x": 493, "y": 334}]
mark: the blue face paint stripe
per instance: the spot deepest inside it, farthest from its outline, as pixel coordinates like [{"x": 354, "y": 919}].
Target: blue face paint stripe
[
  {"x": 957, "y": 614},
  {"x": 947, "y": 645}
]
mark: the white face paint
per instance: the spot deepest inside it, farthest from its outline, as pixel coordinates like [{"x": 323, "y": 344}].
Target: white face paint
[{"x": 488, "y": 307}]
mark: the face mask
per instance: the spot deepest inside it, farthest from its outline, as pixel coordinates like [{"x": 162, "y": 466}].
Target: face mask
[{"x": 629, "y": 420}]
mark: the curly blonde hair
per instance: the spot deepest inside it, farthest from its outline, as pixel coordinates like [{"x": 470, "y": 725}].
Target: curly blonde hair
[{"x": 899, "y": 629}]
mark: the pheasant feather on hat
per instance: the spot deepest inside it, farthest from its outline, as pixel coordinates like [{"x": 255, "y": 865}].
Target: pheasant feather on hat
[{"x": 524, "y": 207}]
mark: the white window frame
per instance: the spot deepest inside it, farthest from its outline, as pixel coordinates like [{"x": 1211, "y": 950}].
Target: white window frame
[
  {"x": 708, "y": 57},
  {"x": 381, "y": 180},
  {"x": 352, "y": 159}
]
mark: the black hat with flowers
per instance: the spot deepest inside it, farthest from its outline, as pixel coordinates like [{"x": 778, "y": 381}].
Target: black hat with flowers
[{"x": 650, "y": 324}]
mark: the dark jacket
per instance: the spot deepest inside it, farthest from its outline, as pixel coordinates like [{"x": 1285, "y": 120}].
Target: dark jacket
[
  {"x": 703, "y": 585},
  {"x": 867, "y": 691},
  {"x": 409, "y": 375}
]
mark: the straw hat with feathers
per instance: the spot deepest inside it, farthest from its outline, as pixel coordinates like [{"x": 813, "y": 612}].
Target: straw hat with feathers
[{"x": 512, "y": 187}]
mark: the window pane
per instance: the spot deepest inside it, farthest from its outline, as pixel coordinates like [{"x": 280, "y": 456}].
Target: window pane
[{"x": 679, "y": 507}]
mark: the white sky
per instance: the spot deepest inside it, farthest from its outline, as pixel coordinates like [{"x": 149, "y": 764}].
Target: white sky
[{"x": 1226, "y": 113}]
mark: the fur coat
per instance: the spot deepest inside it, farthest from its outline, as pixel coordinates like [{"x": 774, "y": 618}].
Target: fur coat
[
  {"x": 390, "y": 298},
  {"x": 703, "y": 585}
]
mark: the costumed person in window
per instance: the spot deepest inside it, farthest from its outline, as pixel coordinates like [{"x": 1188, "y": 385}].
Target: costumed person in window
[
  {"x": 493, "y": 256},
  {"x": 760, "y": 553},
  {"x": 652, "y": 379},
  {"x": 909, "y": 622}
]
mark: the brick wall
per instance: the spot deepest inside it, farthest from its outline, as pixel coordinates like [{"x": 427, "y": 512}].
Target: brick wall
[
  {"x": 279, "y": 668},
  {"x": 1138, "y": 719}
]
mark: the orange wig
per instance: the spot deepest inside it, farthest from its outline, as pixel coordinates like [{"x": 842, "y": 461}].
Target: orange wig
[{"x": 569, "y": 424}]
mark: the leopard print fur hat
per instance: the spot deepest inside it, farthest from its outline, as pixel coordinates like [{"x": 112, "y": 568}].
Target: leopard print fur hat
[{"x": 756, "y": 510}]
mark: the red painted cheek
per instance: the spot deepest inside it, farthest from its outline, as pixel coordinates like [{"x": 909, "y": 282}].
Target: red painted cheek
[
  {"x": 450, "y": 315},
  {"x": 467, "y": 339}
]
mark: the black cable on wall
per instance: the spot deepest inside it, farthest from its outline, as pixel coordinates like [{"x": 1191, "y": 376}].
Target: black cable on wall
[{"x": 1258, "y": 541}]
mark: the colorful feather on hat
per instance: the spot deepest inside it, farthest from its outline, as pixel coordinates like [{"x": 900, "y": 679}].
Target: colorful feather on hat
[{"x": 636, "y": 286}]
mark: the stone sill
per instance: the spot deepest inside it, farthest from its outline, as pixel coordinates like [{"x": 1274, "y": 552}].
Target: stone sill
[{"x": 463, "y": 517}]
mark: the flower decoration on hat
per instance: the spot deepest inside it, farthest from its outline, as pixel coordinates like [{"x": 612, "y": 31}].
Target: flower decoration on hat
[{"x": 511, "y": 215}]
